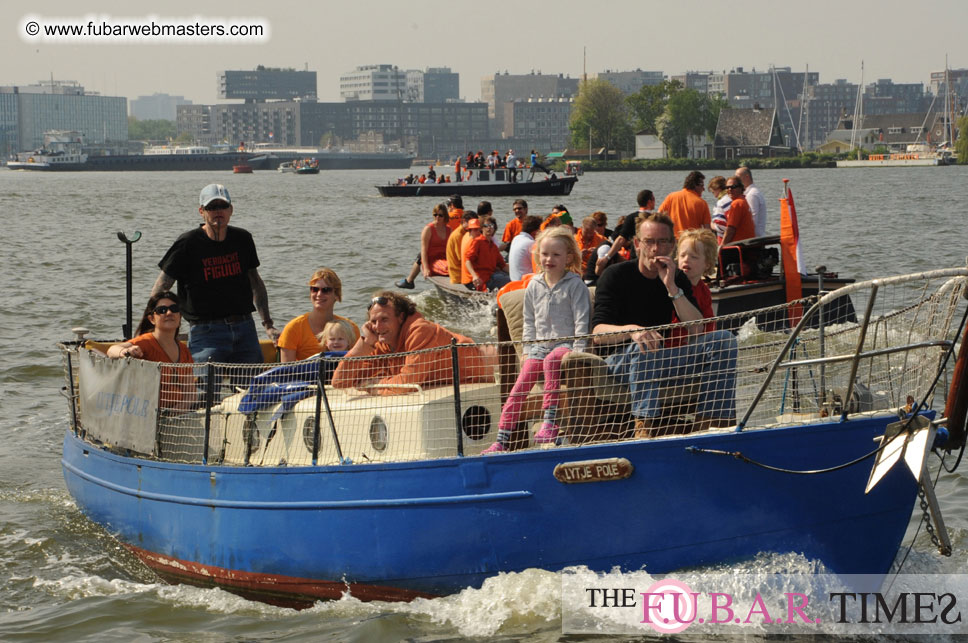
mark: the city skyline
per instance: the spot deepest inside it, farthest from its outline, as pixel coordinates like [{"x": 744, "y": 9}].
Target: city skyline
[{"x": 474, "y": 41}]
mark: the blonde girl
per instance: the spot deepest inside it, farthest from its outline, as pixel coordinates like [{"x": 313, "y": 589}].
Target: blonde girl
[
  {"x": 696, "y": 255},
  {"x": 336, "y": 335},
  {"x": 556, "y": 304}
]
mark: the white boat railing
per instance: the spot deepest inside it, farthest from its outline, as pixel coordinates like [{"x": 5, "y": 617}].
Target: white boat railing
[{"x": 406, "y": 407}]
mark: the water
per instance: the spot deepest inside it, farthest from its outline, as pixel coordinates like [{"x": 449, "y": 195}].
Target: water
[{"x": 62, "y": 578}]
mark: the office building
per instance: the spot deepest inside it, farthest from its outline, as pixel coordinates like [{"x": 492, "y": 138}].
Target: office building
[
  {"x": 498, "y": 89},
  {"x": 31, "y": 110},
  {"x": 373, "y": 83},
  {"x": 630, "y": 82},
  {"x": 267, "y": 83}
]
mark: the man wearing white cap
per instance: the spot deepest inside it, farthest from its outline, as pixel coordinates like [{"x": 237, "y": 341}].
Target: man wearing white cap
[{"x": 216, "y": 268}]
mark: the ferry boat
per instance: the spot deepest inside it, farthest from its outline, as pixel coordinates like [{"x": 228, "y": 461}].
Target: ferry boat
[
  {"x": 274, "y": 485},
  {"x": 486, "y": 182}
]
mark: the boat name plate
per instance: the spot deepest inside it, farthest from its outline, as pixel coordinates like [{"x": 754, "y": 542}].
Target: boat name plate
[{"x": 603, "y": 470}]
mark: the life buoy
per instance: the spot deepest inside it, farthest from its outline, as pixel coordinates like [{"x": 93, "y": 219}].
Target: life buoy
[
  {"x": 956, "y": 408},
  {"x": 30, "y": 160}
]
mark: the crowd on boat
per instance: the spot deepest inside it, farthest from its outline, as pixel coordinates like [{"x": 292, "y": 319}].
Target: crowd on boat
[
  {"x": 648, "y": 272},
  {"x": 464, "y": 168}
]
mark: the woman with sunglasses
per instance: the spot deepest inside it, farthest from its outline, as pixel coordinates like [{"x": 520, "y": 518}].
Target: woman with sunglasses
[
  {"x": 157, "y": 341},
  {"x": 157, "y": 334},
  {"x": 432, "y": 259},
  {"x": 299, "y": 338}
]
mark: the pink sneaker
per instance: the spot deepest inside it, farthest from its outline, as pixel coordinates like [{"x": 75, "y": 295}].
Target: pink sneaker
[
  {"x": 497, "y": 447},
  {"x": 547, "y": 434}
]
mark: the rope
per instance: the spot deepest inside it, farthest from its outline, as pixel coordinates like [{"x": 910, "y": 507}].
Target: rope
[
  {"x": 739, "y": 456},
  {"x": 922, "y": 405}
]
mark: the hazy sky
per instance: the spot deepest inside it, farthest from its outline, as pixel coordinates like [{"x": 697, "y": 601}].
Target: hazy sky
[{"x": 895, "y": 39}]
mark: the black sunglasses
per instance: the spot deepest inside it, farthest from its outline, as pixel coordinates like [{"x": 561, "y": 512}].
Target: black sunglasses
[
  {"x": 323, "y": 289},
  {"x": 217, "y": 205},
  {"x": 379, "y": 301},
  {"x": 734, "y": 186},
  {"x": 164, "y": 310}
]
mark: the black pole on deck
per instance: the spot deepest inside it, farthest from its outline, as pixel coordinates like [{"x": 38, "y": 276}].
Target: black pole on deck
[{"x": 126, "y": 329}]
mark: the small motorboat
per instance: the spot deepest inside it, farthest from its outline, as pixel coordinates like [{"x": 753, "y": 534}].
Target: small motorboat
[{"x": 242, "y": 169}]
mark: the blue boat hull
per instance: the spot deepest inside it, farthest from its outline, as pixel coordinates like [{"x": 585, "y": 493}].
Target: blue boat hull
[{"x": 401, "y": 530}]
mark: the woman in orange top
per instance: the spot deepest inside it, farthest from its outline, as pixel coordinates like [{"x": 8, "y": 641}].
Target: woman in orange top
[
  {"x": 298, "y": 339},
  {"x": 157, "y": 341},
  {"x": 432, "y": 259}
]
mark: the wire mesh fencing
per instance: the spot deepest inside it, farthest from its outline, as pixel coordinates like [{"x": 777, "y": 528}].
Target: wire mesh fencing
[{"x": 806, "y": 362}]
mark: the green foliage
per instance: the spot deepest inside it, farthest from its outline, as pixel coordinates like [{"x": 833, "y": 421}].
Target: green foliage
[
  {"x": 150, "y": 130},
  {"x": 961, "y": 145},
  {"x": 649, "y": 102},
  {"x": 600, "y": 106},
  {"x": 184, "y": 139},
  {"x": 687, "y": 113}
]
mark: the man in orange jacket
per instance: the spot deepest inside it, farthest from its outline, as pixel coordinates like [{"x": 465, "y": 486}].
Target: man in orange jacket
[{"x": 394, "y": 326}]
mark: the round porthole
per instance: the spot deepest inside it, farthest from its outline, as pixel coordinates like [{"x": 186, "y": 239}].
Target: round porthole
[
  {"x": 378, "y": 433},
  {"x": 308, "y": 428},
  {"x": 476, "y": 422}
]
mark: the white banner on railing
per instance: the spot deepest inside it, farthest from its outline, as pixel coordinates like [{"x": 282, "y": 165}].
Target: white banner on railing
[{"x": 119, "y": 400}]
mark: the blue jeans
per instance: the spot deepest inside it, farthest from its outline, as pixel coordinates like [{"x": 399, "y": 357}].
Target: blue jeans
[
  {"x": 498, "y": 280},
  {"x": 710, "y": 356},
  {"x": 232, "y": 343}
]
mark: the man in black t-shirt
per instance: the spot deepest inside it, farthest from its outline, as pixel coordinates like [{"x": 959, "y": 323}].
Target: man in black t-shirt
[
  {"x": 216, "y": 268},
  {"x": 625, "y": 234},
  {"x": 633, "y": 296}
]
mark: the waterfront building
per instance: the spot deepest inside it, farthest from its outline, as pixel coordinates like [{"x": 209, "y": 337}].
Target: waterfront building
[
  {"x": 267, "y": 83},
  {"x": 544, "y": 122},
  {"x": 32, "y": 110},
  {"x": 497, "y": 89},
  {"x": 373, "y": 82},
  {"x": 698, "y": 80},
  {"x": 824, "y": 105},
  {"x": 433, "y": 85},
  {"x": 195, "y": 120},
  {"x": 630, "y": 82},
  {"x": 157, "y": 107}
]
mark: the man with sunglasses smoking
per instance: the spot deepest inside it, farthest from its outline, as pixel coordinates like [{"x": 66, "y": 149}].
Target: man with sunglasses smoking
[{"x": 216, "y": 268}]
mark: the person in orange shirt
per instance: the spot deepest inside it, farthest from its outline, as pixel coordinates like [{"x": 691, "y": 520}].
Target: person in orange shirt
[
  {"x": 513, "y": 228},
  {"x": 455, "y": 210},
  {"x": 394, "y": 326},
  {"x": 687, "y": 208},
  {"x": 157, "y": 341},
  {"x": 484, "y": 267},
  {"x": 588, "y": 240},
  {"x": 454, "y": 247},
  {"x": 739, "y": 217}
]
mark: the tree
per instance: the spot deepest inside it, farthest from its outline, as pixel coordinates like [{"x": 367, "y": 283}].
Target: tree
[
  {"x": 150, "y": 130},
  {"x": 649, "y": 102},
  {"x": 600, "y": 106},
  {"x": 185, "y": 138},
  {"x": 961, "y": 145},
  {"x": 688, "y": 113}
]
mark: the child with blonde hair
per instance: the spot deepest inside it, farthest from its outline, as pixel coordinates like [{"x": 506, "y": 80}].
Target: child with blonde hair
[
  {"x": 336, "y": 335},
  {"x": 556, "y": 304},
  {"x": 697, "y": 252}
]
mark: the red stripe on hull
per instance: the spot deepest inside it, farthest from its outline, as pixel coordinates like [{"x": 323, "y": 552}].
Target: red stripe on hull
[{"x": 275, "y": 589}]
